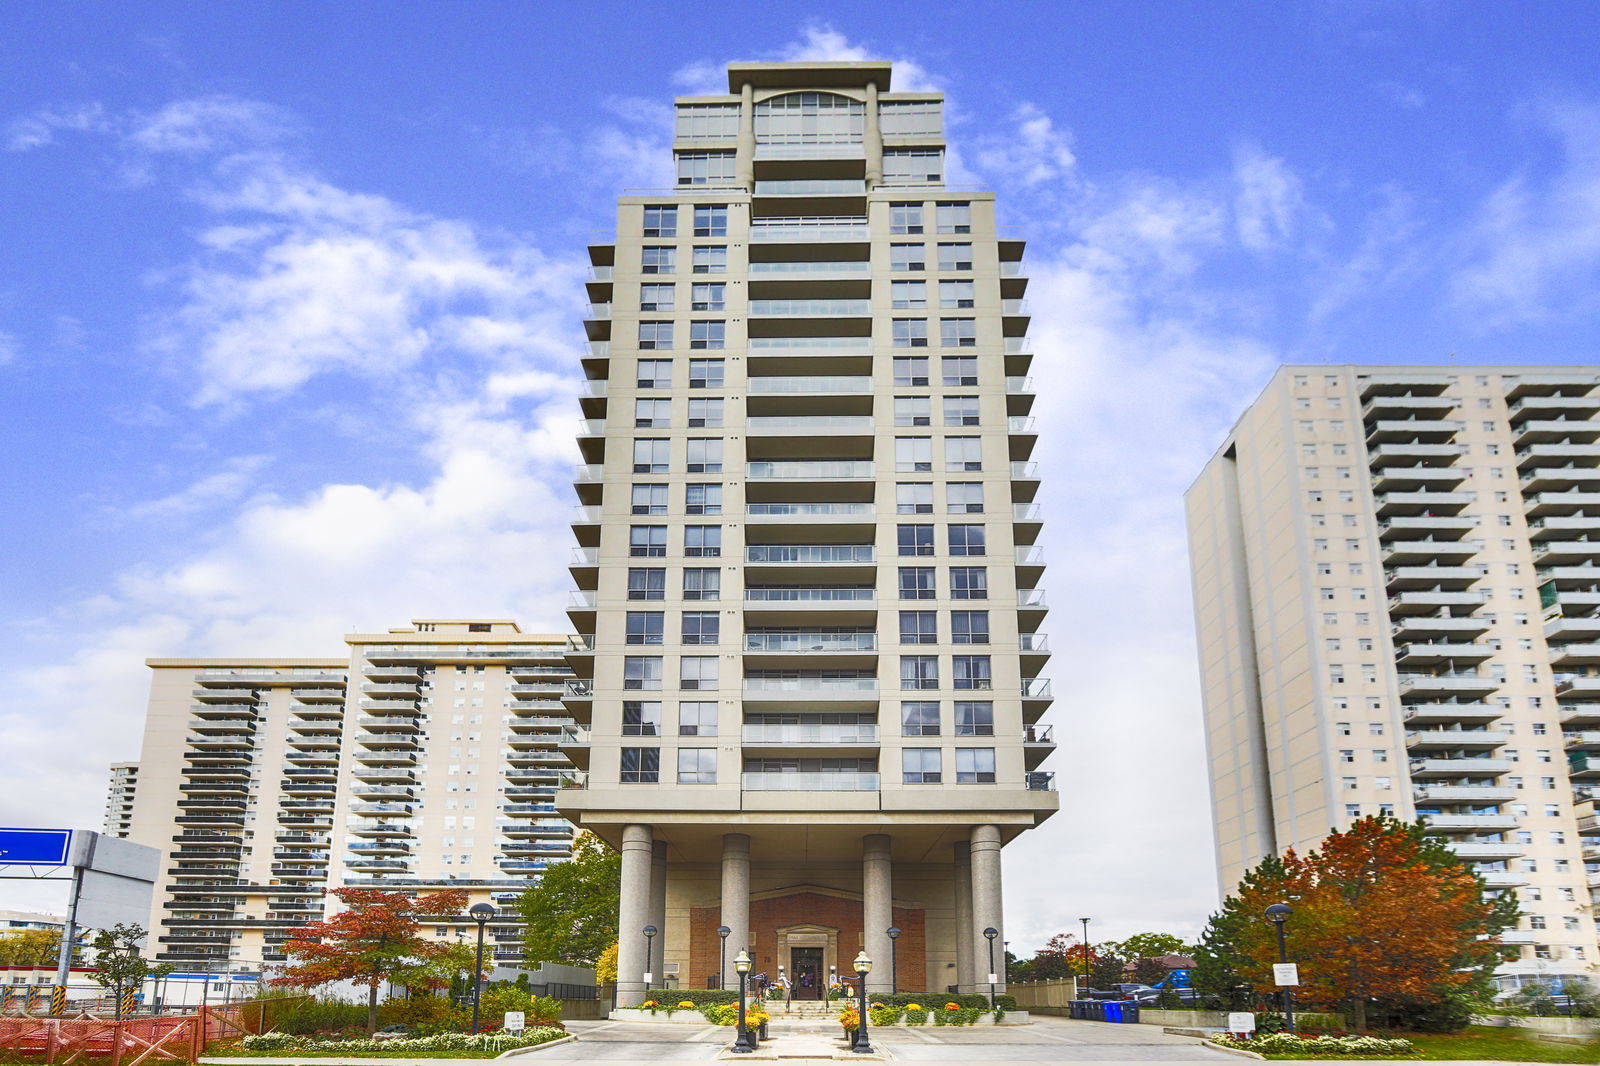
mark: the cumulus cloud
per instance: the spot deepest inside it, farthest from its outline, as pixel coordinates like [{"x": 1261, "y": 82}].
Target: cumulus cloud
[
  {"x": 818, "y": 42},
  {"x": 1033, "y": 151}
]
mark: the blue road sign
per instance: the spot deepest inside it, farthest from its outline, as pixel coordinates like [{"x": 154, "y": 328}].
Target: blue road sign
[{"x": 34, "y": 847}]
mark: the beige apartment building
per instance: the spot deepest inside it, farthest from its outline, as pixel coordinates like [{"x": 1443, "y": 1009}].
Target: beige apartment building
[
  {"x": 425, "y": 758},
  {"x": 1397, "y": 587},
  {"x": 808, "y": 659},
  {"x": 119, "y": 798}
]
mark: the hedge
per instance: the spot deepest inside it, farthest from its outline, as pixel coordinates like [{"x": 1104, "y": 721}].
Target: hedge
[
  {"x": 703, "y": 996},
  {"x": 698, "y": 996}
]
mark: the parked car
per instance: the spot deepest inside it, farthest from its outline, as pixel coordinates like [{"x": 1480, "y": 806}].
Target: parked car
[{"x": 392, "y": 1032}]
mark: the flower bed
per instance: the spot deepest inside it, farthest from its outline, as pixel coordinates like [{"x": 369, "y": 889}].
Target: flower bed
[
  {"x": 481, "y": 1043},
  {"x": 1290, "y": 1044},
  {"x": 949, "y": 1012}
]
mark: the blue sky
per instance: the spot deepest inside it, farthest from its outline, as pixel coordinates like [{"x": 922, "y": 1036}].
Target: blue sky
[{"x": 290, "y": 309}]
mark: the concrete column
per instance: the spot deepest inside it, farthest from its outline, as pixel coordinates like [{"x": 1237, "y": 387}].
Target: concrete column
[
  {"x": 744, "y": 160},
  {"x": 877, "y": 909},
  {"x": 986, "y": 905},
  {"x": 874, "y": 139},
  {"x": 735, "y": 900},
  {"x": 965, "y": 971},
  {"x": 658, "y": 906},
  {"x": 633, "y": 914}
]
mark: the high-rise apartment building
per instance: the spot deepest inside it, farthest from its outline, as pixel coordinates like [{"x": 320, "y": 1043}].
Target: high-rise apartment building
[
  {"x": 425, "y": 759},
  {"x": 119, "y": 798},
  {"x": 1397, "y": 587},
  {"x": 808, "y": 649}
]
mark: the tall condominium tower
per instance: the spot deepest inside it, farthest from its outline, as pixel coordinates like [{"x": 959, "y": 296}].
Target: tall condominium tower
[
  {"x": 119, "y": 798},
  {"x": 1398, "y": 599},
  {"x": 425, "y": 759},
  {"x": 808, "y": 646}
]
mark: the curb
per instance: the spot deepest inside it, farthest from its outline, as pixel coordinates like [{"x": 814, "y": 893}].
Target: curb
[
  {"x": 1233, "y": 1050},
  {"x": 517, "y": 1052}
]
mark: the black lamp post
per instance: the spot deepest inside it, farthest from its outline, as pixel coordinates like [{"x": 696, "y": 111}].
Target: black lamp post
[
  {"x": 990, "y": 933},
  {"x": 1085, "y": 922},
  {"x": 742, "y": 1044},
  {"x": 722, "y": 958},
  {"x": 650, "y": 932},
  {"x": 894, "y": 959},
  {"x": 863, "y": 966},
  {"x": 480, "y": 913},
  {"x": 1277, "y": 914}
]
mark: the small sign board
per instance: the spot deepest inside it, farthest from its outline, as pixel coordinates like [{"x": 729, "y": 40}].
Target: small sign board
[
  {"x": 516, "y": 1021},
  {"x": 34, "y": 847},
  {"x": 1241, "y": 1022},
  {"x": 994, "y": 979},
  {"x": 1285, "y": 974}
]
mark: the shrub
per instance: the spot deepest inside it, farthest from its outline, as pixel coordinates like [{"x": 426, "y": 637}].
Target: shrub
[
  {"x": 1289, "y": 1044},
  {"x": 882, "y": 1015},
  {"x": 319, "y": 1016},
  {"x": 364, "y": 1045},
  {"x": 699, "y": 997},
  {"x": 916, "y": 1015},
  {"x": 979, "y": 1000},
  {"x": 720, "y": 1013}
]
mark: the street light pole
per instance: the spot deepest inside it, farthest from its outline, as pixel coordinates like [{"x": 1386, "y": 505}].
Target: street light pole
[
  {"x": 722, "y": 958},
  {"x": 480, "y": 913},
  {"x": 989, "y": 934},
  {"x": 894, "y": 959},
  {"x": 741, "y": 1043},
  {"x": 650, "y": 932},
  {"x": 1277, "y": 914},
  {"x": 863, "y": 966},
  {"x": 1085, "y": 922}
]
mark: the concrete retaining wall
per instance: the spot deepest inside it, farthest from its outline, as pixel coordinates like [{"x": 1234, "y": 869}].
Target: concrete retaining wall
[{"x": 1561, "y": 1026}]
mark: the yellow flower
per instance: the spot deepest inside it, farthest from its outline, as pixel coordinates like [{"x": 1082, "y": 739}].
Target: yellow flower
[
  {"x": 686, "y": 1003},
  {"x": 952, "y": 1006},
  {"x": 913, "y": 1006}
]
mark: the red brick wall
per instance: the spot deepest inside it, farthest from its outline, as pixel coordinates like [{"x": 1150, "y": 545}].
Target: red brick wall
[{"x": 767, "y": 916}]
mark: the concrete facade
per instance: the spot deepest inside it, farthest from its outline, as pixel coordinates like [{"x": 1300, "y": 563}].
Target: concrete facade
[
  {"x": 1396, "y": 592},
  {"x": 807, "y": 612}
]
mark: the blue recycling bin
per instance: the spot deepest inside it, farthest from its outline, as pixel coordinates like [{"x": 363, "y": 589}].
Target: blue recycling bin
[
  {"x": 1130, "y": 1012},
  {"x": 1113, "y": 1011}
]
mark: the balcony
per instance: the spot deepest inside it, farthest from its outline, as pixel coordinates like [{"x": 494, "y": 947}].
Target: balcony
[
  {"x": 1553, "y": 407},
  {"x": 1039, "y": 781},
  {"x": 806, "y": 596},
  {"x": 1586, "y": 741},
  {"x": 819, "y": 781},
  {"x": 1454, "y": 739},
  {"x": 809, "y": 553},
  {"x": 808, "y": 384},
  {"x": 1485, "y": 850},
  {"x": 1446, "y": 713},
  {"x": 809, "y": 308},
  {"x": 1559, "y": 478},
  {"x": 1556, "y": 552},
  {"x": 1423, "y": 628},
  {"x": 1443, "y": 823},
  {"x": 806, "y": 425},
  {"x": 1407, "y": 405},
  {"x": 1415, "y": 527},
  {"x": 779, "y": 347},
  {"x": 1551, "y": 503},
  {"x": 1416, "y": 478},
  {"x": 1556, "y": 430},
  {"x": 1556, "y": 527},
  {"x": 810, "y": 735},
  {"x": 792, "y": 229},
  {"x": 1433, "y": 654},
  {"x": 1462, "y": 767},
  {"x": 1413, "y": 454},
  {"x": 1404, "y": 386},
  {"x": 821, "y": 270},
  {"x": 1412, "y": 430},
  {"x": 1422, "y": 577},
  {"x": 762, "y": 689},
  {"x": 1428, "y": 551},
  {"x": 1464, "y": 794},
  {"x": 1036, "y": 688},
  {"x": 811, "y": 643},
  {"x": 1537, "y": 455},
  {"x": 1439, "y": 503},
  {"x": 812, "y": 470},
  {"x": 1421, "y": 686},
  {"x": 807, "y": 511},
  {"x": 812, "y": 187},
  {"x": 1429, "y": 601}
]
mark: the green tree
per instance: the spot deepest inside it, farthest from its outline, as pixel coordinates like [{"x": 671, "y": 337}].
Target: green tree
[
  {"x": 1152, "y": 946},
  {"x": 118, "y": 965},
  {"x": 571, "y": 913},
  {"x": 30, "y": 947}
]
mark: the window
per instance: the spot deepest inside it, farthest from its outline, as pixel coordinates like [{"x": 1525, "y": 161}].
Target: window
[
  {"x": 955, "y": 218},
  {"x": 919, "y": 719},
  {"x": 911, "y": 370},
  {"x": 909, "y": 118},
  {"x": 651, "y": 456},
  {"x": 708, "y": 334},
  {"x": 711, "y": 220},
  {"x": 964, "y": 497},
  {"x": 705, "y": 413},
  {"x": 661, "y": 220},
  {"x": 958, "y": 333},
  {"x": 914, "y": 540},
  {"x": 707, "y": 296},
  {"x": 810, "y": 118},
  {"x": 913, "y": 455},
  {"x": 697, "y": 719},
  {"x": 905, "y": 218},
  {"x": 641, "y": 766},
  {"x": 955, "y": 256},
  {"x": 709, "y": 259},
  {"x": 707, "y": 373},
  {"x": 972, "y": 671},
  {"x": 969, "y": 583},
  {"x": 920, "y": 766},
  {"x": 653, "y": 335},
  {"x": 657, "y": 296},
  {"x": 641, "y": 719},
  {"x": 907, "y": 295},
  {"x": 703, "y": 498},
  {"x": 913, "y": 498},
  {"x": 647, "y": 583},
  {"x": 910, "y": 333},
  {"x": 655, "y": 374},
  {"x": 704, "y": 454},
  {"x": 958, "y": 370},
  {"x": 702, "y": 627},
  {"x": 702, "y": 541},
  {"x": 658, "y": 260},
  {"x": 974, "y": 766},
  {"x": 960, "y": 410},
  {"x": 974, "y": 718},
  {"x": 649, "y": 499},
  {"x": 645, "y": 627},
  {"x": 702, "y": 583},
  {"x": 963, "y": 454},
  {"x": 908, "y": 257},
  {"x": 916, "y": 583},
  {"x": 641, "y": 671},
  {"x": 707, "y": 122},
  {"x": 919, "y": 671},
  {"x": 647, "y": 541},
  {"x": 697, "y": 766},
  {"x": 913, "y": 411},
  {"x": 957, "y": 294},
  {"x": 706, "y": 168},
  {"x": 967, "y": 540},
  {"x": 969, "y": 627},
  {"x": 697, "y": 672},
  {"x": 913, "y": 166},
  {"x": 919, "y": 627}
]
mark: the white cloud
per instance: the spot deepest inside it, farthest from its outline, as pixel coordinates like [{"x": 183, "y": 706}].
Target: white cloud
[
  {"x": 39, "y": 129},
  {"x": 206, "y": 124},
  {"x": 208, "y": 492},
  {"x": 1269, "y": 201},
  {"x": 1033, "y": 152},
  {"x": 818, "y": 42},
  {"x": 8, "y": 349}
]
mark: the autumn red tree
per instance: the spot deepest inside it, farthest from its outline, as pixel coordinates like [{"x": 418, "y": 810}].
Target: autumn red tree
[
  {"x": 376, "y": 938},
  {"x": 1382, "y": 912}
]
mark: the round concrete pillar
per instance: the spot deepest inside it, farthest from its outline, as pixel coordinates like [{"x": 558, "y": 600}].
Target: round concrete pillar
[
  {"x": 735, "y": 900},
  {"x": 986, "y": 905},
  {"x": 633, "y": 914},
  {"x": 877, "y": 908}
]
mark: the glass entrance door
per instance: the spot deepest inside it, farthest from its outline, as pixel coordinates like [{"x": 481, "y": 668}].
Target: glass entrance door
[{"x": 807, "y": 980}]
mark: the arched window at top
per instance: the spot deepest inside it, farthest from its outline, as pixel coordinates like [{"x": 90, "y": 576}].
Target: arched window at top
[{"x": 811, "y": 118}]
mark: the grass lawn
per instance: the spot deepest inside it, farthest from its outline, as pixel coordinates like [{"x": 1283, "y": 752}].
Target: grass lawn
[{"x": 1487, "y": 1042}]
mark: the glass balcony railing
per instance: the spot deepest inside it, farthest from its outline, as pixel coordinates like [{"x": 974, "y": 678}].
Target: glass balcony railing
[
  {"x": 1011, "y": 268},
  {"x": 1036, "y": 642},
  {"x": 1018, "y": 346},
  {"x": 809, "y": 228},
  {"x": 599, "y": 311},
  {"x": 860, "y": 267},
  {"x": 809, "y": 553},
  {"x": 808, "y": 509},
  {"x": 810, "y": 345},
  {"x": 1036, "y": 688},
  {"x": 815, "y": 642},
  {"x": 811, "y": 187},
  {"x": 804, "y": 469},
  {"x": 1040, "y": 781},
  {"x": 819, "y": 781},
  {"x": 809, "y": 423},
  {"x": 765, "y": 733},
  {"x": 804, "y": 308},
  {"x": 600, "y": 273},
  {"x": 809, "y": 594},
  {"x": 810, "y": 684},
  {"x": 811, "y": 384},
  {"x": 1021, "y": 424},
  {"x": 599, "y": 349}
]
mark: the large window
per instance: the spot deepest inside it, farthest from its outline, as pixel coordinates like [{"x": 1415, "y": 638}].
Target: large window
[
  {"x": 920, "y": 766},
  {"x": 913, "y": 166},
  {"x": 919, "y": 671},
  {"x": 955, "y": 257},
  {"x": 658, "y": 260},
  {"x": 703, "y": 542},
  {"x": 697, "y": 719},
  {"x": 963, "y": 454},
  {"x": 651, "y": 456},
  {"x": 959, "y": 370},
  {"x": 969, "y": 627},
  {"x": 649, "y": 499},
  {"x": 652, "y": 414},
  {"x": 641, "y": 766},
  {"x": 910, "y": 333},
  {"x": 705, "y": 455},
  {"x": 908, "y": 295},
  {"x": 969, "y": 583},
  {"x": 914, "y": 540},
  {"x": 972, "y": 671},
  {"x": 697, "y": 672},
  {"x": 641, "y": 672},
  {"x": 647, "y": 541},
  {"x": 641, "y": 719},
  {"x": 654, "y": 374},
  {"x": 919, "y": 627},
  {"x": 913, "y": 455},
  {"x": 703, "y": 498},
  {"x": 647, "y": 583},
  {"x": 958, "y": 332},
  {"x": 708, "y": 296},
  {"x": 705, "y": 412},
  {"x": 905, "y": 218},
  {"x": 710, "y": 259},
  {"x": 810, "y": 118},
  {"x": 711, "y": 220},
  {"x": 960, "y": 410},
  {"x": 708, "y": 334},
  {"x": 967, "y": 540},
  {"x": 697, "y": 766},
  {"x": 909, "y": 118},
  {"x": 706, "y": 168},
  {"x": 645, "y": 627},
  {"x": 964, "y": 497},
  {"x": 661, "y": 221},
  {"x": 913, "y": 411},
  {"x": 974, "y": 718},
  {"x": 702, "y": 583},
  {"x": 911, "y": 371},
  {"x": 916, "y": 583},
  {"x": 955, "y": 218},
  {"x": 913, "y": 497},
  {"x": 654, "y": 335},
  {"x": 974, "y": 766},
  {"x": 919, "y": 719},
  {"x": 707, "y": 122},
  {"x": 657, "y": 296},
  {"x": 702, "y": 627},
  {"x": 901, "y": 257},
  {"x": 957, "y": 294}
]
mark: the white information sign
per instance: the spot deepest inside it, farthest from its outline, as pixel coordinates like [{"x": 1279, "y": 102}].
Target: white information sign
[
  {"x": 1285, "y": 974},
  {"x": 1241, "y": 1022},
  {"x": 994, "y": 979},
  {"x": 516, "y": 1021}
]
